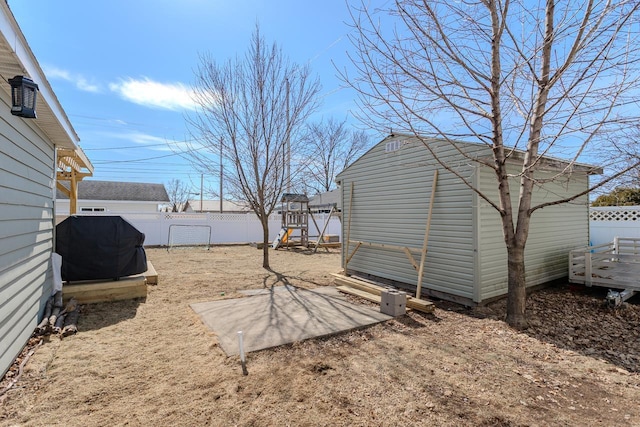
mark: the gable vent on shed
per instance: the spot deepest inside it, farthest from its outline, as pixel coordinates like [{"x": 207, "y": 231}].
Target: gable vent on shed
[{"x": 392, "y": 146}]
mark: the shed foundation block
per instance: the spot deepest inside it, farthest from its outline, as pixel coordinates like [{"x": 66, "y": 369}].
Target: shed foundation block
[{"x": 393, "y": 303}]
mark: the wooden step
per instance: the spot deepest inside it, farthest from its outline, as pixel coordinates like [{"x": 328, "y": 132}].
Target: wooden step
[
  {"x": 151, "y": 274},
  {"x": 105, "y": 291}
]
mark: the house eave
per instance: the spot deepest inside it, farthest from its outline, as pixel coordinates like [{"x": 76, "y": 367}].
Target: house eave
[{"x": 16, "y": 58}]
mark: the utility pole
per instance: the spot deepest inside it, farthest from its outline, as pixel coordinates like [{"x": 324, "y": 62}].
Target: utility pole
[
  {"x": 221, "y": 173},
  {"x": 288, "y": 144},
  {"x": 201, "y": 189}
]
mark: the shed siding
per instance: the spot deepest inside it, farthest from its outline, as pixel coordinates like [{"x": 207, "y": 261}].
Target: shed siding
[
  {"x": 390, "y": 205},
  {"x": 26, "y": 231},
  {"x": 554, "y": 231},
  {"x": 466, "y": 253}
]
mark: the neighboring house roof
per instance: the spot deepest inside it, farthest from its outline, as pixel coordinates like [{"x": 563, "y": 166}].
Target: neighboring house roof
[
  {"x": 290, "y": 197},
  {"x": 329, "y": 198},
  {"x": 122, "y": 191},
  {"x": 214, "y": 206}
]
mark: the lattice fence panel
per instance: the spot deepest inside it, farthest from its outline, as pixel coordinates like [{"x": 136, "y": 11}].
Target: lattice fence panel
[{"x": 631, "y": 214}]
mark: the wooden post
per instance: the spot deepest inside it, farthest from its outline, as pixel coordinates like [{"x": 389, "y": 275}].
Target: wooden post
[
  {"x": 313, "y": 220},
  {"x": 73, "y": 193},
  {"x": 588, "y": 276},
  {"x": 326, "y": 223},
  {"x": 345, "y": 244},
  {"x": 426, "y": 234},
  {"x": 352, "y": 254}
]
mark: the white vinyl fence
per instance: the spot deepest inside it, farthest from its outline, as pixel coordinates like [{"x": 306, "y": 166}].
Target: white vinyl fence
[
  {"x": 226, "y": 228},
  {"x": 607, "y": 223}
]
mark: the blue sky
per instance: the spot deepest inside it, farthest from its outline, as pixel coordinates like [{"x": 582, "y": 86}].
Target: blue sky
[{"x": 122, "y": 69}]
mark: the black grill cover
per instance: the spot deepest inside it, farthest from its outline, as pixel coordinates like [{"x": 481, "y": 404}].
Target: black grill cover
[{"x": 99, "y": 247}]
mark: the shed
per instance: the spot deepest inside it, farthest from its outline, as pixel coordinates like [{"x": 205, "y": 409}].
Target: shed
[
  {"x": 385, "y": 198},
  {"x": 33, "y": 152}
]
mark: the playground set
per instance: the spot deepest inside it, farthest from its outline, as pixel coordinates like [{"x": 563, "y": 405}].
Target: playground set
[{"x": 295, "y": 224}]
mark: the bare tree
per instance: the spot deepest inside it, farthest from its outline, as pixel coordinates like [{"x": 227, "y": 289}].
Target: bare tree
[
  {"x": 332, "y": 147},
  {"x": 546, "y": 77},
  {"x": 178, "y": 194},
  {"x": 251, "y": 110},
  {"x": 626, "y": 152}
]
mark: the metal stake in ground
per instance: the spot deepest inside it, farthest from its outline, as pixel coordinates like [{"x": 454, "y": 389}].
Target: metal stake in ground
[{"x": 242, "y": 357}]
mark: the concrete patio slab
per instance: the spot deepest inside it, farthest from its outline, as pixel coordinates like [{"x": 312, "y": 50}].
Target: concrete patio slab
[{"x": 282, "y": 315}]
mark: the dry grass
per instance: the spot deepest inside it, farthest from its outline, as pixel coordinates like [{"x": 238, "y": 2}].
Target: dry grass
[{"x": 153, "y": 362}]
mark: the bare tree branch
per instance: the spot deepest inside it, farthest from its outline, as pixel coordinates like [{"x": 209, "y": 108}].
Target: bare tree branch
[
  {"x": 331, "y": 147},
  {"x": 178, "y": 194},
  {"x": 250, "y": 110},
  {"x": 548, "y": 78}
]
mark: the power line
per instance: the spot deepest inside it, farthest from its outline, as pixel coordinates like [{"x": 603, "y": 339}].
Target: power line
[
  {"x": 168, "y": 142},
  {"x": 164, "y": 144},
  {"x": 103, "y": 162},
  {"x": 171, "y": 169},
  {"x": 114, "y": 121}
]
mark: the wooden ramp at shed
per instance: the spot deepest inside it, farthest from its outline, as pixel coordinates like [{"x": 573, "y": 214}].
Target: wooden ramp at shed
[{"x": 94, "y": 291}]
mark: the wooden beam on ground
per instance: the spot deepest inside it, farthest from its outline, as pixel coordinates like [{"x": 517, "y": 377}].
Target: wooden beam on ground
[
  {"x": 93, "y": 292},
  {"x": 358, "y": 284},
  {"x": 420, "y": 305},
  {"x": 359, "y": 293},
  {"x": 361, "y": 285}
]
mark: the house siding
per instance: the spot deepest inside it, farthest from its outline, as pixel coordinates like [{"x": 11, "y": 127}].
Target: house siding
[
  {"x": 26, "y": 231},
  {"x": 554, "y": 231},
  {"x": 390, "y": 206}
]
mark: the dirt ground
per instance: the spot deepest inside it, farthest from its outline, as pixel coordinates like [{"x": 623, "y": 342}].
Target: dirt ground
[{"x": 153, "y": 362}]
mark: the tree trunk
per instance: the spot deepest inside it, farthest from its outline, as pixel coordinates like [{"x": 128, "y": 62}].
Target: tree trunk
[
  {"x": 265, "y": 242},
  {"x": 517, "y": 293}
]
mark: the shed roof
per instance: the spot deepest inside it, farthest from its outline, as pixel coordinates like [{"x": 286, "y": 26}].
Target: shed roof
[
  {"x": 547, "y": 162},
  {"x": 123, "y": 191}
]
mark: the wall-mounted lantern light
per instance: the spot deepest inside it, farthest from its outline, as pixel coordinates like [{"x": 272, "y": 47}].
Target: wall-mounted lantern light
[{"x": 23, "y": 97}]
